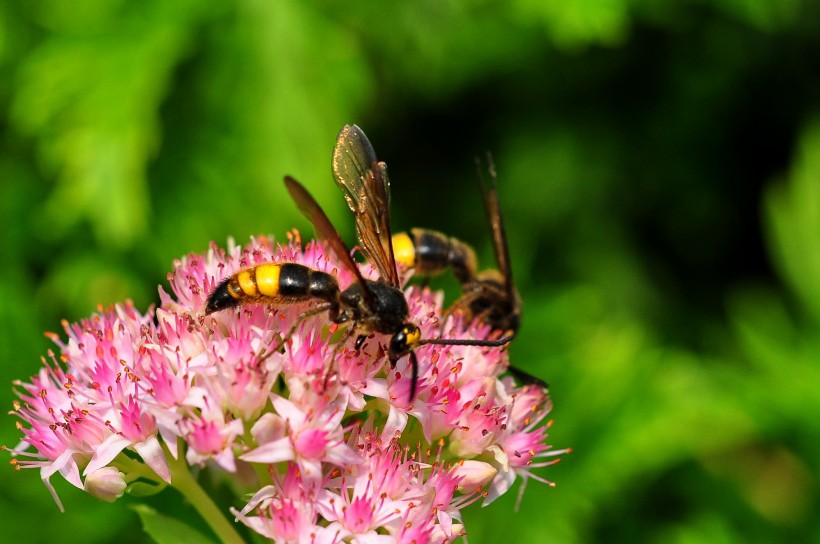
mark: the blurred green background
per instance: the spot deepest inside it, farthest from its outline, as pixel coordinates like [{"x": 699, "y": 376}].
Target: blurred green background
[{"x": 659, "y": 169}]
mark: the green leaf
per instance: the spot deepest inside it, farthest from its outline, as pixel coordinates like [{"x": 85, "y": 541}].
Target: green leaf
[
  {"x": 144, "y": 489},
  {"x": 91, "y": 101},
  {"x": 165, "y": 530},
  {"x": 576, "y": 24},
  {"x": 793, "y": 213}
]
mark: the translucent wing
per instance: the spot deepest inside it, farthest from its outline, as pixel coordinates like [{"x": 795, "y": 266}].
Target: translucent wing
[
  {"x": 324, "y": 228},
  {"x": 493, "y": 211},
  {"x": 364, "y": 182}
]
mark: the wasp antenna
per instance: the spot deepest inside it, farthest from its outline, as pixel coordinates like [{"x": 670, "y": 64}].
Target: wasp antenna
[{"x": 467, "y": 342}]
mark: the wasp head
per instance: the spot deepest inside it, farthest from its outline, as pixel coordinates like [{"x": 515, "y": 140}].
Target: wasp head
[{"x": 404, "y": 341}]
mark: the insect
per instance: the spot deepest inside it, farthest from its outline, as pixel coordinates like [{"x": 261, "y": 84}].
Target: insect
[
  {"x": 366, "y": 305},
  {"x": 489, "y": 295},
  {"x": 429, "y": 252}
]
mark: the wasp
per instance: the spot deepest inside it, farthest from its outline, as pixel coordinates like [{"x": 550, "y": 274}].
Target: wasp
[
  {"x": 429, "y": 252},
  {"x": 368, "y": 306},
  {"x": 490, "y": 295}
]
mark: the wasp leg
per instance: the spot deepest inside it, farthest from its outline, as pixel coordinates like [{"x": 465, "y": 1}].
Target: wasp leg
[
  {"x": 463, "y": 305},
  {"x": 345, "y": 337},
  {"x": 526, "y": 378},
  {"x": 325, "y": 306}
]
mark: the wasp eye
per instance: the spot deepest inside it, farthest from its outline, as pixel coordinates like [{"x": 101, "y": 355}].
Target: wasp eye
[{"x": 398, "y": 345}]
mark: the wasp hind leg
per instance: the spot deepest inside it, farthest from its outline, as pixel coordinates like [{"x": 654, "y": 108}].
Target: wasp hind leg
[
  {"x": 301, "y": 318},
  {"x": 462, "y": 306},
  {"x": 332, "y": 363}
]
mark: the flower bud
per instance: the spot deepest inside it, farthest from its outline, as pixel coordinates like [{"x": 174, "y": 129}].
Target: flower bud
[
  {"x": 107, "y": 484},
  {"x": 474, "y": 474}
]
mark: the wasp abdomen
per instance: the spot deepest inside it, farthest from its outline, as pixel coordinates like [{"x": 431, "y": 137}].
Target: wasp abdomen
[
  {"x": 430, "y": 252},
  {"x": 279, "y": 283},
  {"x": 221, "y": 298}
]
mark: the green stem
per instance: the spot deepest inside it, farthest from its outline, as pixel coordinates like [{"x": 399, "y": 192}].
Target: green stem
[
  {"x": 135, "y": 470},
  {"x": 186, "y": 484}
]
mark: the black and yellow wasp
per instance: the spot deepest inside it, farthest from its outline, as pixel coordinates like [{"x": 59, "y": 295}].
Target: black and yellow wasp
[
  {"x": 368, "y": 306},
  {"x": 489, "y": 295}
]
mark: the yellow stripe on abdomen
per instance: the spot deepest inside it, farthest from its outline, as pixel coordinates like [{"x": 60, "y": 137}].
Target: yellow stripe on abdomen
[
  {"x": 267, "y": 279},
  {"x": 404, "y": 250},
  {"x": 246, "y": 281}
]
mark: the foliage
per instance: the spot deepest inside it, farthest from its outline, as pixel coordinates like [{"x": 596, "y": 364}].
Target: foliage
[{"x": 659, "y": 168}]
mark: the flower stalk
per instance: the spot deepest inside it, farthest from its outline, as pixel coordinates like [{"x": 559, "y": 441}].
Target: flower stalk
[{"x": 184, "y": 482}]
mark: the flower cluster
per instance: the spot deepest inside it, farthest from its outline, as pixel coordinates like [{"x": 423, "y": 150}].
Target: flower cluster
[{"x": 344, "y": 453}]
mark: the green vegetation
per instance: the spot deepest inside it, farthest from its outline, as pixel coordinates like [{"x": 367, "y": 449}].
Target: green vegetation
[{"x": 659, "y": 168}]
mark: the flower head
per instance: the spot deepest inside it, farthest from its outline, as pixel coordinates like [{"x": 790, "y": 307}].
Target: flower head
[{"x": 351, "y": 457}]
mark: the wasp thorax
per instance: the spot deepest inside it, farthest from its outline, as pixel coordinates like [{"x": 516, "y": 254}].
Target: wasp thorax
[{"x": 375, "y": 306}]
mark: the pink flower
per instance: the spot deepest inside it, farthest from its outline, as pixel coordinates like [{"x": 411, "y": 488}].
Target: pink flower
[
  {"x": 286, "y": 512},
  {"x": 351, "y": 457},
  {"x": 212, "y": 440},
  {"x": 86, "y": 414},
  {"x": 522, "y": 441},
  {"x": 310, "y": 436}
]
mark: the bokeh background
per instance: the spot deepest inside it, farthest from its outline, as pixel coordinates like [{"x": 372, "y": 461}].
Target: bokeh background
[{"x": 659, "y": 170}]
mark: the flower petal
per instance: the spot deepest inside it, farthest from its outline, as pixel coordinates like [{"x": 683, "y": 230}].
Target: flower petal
[
  {"x": 154, "y": 456},
  {"x": 272, "y": 452}
]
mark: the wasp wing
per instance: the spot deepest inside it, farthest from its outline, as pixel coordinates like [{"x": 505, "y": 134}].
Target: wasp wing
[
  {"x": 366, "y": 187},
  {"x": 493, "y": 210},
  {"x": 324, "y": 228}
]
